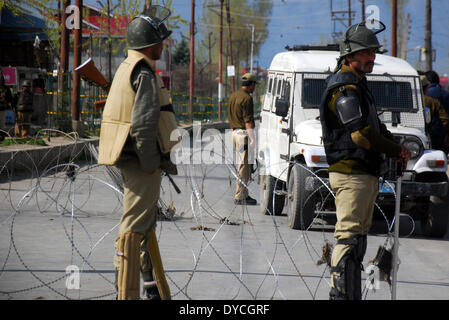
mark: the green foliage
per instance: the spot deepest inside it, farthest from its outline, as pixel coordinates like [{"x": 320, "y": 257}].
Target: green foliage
[
  {"x": 18, "y": 7},
  {"x": 118, "y": 8},
  {"x": 181, "y": 54},
  {"x": 14, "y": 141},
  {"x": 243, "y": 14}
]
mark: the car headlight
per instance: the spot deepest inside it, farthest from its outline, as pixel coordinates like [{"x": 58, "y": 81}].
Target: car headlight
[{"x": 414, "y": 145}]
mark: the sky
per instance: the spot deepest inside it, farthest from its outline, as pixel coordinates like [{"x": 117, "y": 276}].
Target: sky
[{"x": 308, "y": 21}]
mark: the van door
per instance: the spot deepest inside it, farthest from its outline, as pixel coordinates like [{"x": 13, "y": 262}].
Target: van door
[
  {"x": 280, "y": 126},
  {"x": 283, "y": 104},
  {"x": 265, "y": 121}
]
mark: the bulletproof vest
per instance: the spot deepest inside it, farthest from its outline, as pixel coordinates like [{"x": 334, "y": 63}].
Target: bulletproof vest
[
  {"x": 25, "y": 101},
  {"x": 116, "y": 119},
  {"x": 337, "y": 140}
]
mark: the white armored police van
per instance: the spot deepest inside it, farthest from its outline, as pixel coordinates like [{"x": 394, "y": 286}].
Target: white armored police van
[{"x": 290, "y": 147}]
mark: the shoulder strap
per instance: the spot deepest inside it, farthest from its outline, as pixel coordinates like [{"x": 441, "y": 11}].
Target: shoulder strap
[{"x": 341, "y": 79}]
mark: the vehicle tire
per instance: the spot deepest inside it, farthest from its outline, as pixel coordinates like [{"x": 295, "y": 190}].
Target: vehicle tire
[
  {"x": 301, "y": 204},
  {"x": 436, "y": 222},
  {"x": 266, "y": 196}
]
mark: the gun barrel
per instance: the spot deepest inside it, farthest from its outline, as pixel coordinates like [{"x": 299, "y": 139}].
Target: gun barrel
[{"x": 89, "y": 71}]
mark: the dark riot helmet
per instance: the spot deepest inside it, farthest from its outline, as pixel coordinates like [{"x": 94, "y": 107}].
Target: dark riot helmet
[
  {"x": 360, "y": 37},
  {"x": 148, "y": 28}
]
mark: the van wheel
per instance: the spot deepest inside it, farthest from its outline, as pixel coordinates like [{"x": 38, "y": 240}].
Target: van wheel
[
  {"x": 266, "y": 196},
  {"x": 301, "y": 204},
  {"x": 435, "y": 223}
]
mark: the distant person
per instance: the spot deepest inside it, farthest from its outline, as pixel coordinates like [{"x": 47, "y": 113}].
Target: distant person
[
  {"x": 241, "y": 121},
  {"x": 24, "y": 111},
  {"x": 436, "y": 91},
  {"x": 438, "y": 126},
  {"x": 5, "y": 104}
]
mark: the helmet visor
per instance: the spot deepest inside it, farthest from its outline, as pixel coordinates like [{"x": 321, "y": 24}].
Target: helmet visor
[{"x": 155, "y": 15}]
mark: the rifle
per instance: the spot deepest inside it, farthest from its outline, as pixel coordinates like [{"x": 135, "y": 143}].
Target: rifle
[{"x": 89, "y": 72}]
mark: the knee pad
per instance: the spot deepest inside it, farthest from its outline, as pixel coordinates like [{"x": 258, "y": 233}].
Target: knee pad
[
  {"x": 157, "y": 266},
  {"x": 128, "y": 263},
  {"x": 346, "y": 275},
  {"x": 150, "y": 290}
]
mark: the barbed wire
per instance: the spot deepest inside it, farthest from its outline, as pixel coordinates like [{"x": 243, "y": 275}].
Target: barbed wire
[{"x": 71, "y": 188}]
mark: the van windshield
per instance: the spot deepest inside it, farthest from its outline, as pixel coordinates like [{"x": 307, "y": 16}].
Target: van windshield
[{"x": 388, "y": 95}]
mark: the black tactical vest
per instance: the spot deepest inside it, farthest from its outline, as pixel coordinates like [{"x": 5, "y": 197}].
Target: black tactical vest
[
  {"x": 25, "y": 102},
  {"x": 337, "y": 142}
]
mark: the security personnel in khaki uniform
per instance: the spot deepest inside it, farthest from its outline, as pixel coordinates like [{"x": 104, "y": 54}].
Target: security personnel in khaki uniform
[
  {"x": 24, "y": 111},
  {"x": 354, "y": 140},
  {"x": 437, "y": 126},
  {"x": 241, "y": 121},
  {"x": 137, "y": 122}
]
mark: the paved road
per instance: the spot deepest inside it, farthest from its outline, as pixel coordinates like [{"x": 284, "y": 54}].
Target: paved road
[{"x": 50, "y": 223}]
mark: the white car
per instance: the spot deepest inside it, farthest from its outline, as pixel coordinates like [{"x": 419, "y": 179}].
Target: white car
[{"x": 291, "y": 152}]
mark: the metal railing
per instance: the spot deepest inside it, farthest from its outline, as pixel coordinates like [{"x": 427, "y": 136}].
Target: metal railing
[{"x": 59, "y": 113}]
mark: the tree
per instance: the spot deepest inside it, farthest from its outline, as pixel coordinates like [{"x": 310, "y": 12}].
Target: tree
[
  {"x": 19, "y": 7},
  {"x": 181, "y": 54},
  {"x": 243, "y": 14}
]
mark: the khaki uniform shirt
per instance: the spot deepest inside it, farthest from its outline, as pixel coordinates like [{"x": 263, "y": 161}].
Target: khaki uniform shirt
[{"x": 240, "y": 109}]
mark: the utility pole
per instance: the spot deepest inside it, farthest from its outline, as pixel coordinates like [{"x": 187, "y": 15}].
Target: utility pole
[
  {"x": 349, "y": 13},
  {"x": 428, "y": 36},
  {"x": 220, "y": 65},
  {"x": 192, "y": 59},
  {"x": 363, "y": 9},
  {"x": 65, "y": 47},
  {"x": 77, "y": 47},
  {"x": 247, "y": 54},
  {"x": 228, "y": 15},
  {"x": 394, "y": 28},
  {"x": 65, "y": 42},
  {"x": 405, "y": 38},
  {"x": 209, "y": 48},
  {"x": 109, "y": 42},
  {"x": 252, "y": 48},
  {"x": 340, "y": 16}
]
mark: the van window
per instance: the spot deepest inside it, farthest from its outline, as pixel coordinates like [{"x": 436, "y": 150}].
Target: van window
[
  {"x": 392, "y": 96},
  {"x": 286, "y": 90},
  {"x": 279, "y": 88},
  {"x": 388, "y": 95},
  {"x": 275, "y": 86},
  {"x": 270, "y": 85},
  {"x": 312, "y": 90}
]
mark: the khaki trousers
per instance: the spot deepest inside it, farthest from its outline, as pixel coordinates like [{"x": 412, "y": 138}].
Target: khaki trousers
[
  {"x": 141, "y": 193},
  {"x": 355, "y": 195},
  {"x": 240, "y": 141},
  {"x": 23, "y": 124}
]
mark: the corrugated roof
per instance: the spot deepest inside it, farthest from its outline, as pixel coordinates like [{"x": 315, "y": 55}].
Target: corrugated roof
[
  {"x": 24, "y": 27},
  {"x": 26, "y": 21}
]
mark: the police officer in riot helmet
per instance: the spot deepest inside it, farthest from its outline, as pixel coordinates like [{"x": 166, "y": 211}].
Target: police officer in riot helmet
[
  {"x": 24, "y": 110},
  {"x": 354, "y": 141},
  {"x": 137, "y": 122}
]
